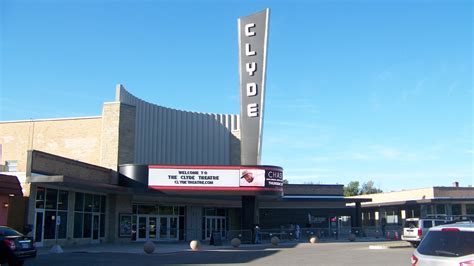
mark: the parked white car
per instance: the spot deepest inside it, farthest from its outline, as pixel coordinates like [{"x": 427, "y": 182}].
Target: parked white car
[
  {"x": 450, "y": 244},
  {"x": 415, "y": 228}
]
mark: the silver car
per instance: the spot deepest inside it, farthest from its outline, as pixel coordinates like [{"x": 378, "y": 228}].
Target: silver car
[{"x": 450, "y": 244}]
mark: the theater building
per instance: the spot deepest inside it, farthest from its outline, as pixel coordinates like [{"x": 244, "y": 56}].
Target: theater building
[
  {"x": 140, "y": 171},
  {"x": 90, "y": 179}
]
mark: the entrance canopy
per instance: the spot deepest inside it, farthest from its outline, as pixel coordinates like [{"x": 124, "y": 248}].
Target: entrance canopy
[{"x": 208, "y": 179}]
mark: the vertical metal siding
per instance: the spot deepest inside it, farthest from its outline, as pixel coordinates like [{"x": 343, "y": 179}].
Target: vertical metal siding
[{"x": 169, "y": 136}]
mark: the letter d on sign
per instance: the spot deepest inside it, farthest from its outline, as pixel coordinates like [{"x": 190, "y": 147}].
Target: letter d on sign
[{"x": 251, "y": 89}]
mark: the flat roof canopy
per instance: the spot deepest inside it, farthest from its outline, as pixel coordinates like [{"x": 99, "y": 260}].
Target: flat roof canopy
[{"x": 67, "y": 181}]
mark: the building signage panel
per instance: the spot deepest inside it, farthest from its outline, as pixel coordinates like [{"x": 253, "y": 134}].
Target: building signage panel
[
  {"x": 215, "y": 177},
  {"x": 253, "y": 36},
  {"x": 194, "y": 177}
]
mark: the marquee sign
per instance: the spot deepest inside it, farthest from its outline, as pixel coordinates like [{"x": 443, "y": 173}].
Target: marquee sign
[
  {"x": 253, "y": 36},
  {"x": 235, "y": 178}
]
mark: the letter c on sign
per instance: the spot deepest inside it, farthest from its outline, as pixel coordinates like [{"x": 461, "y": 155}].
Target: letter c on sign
[{"x": 247, "y": 27}]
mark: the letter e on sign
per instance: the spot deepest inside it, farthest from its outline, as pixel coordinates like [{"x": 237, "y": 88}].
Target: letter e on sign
[
  {"x": 252, "y": 110},
  {"x": 251, "y": 89},
  {"x": 249, "y": 33}
]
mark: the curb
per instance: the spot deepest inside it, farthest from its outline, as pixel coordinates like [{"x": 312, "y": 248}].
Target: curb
[
  {"x": 388, "y": 246},
  {"x": 378, "y": 247}
]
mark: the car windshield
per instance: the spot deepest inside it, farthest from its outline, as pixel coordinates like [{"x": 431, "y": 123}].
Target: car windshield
[
  {"x": 6, "y": 231},
  {"x": 411, "y": 224},
  {"x": 447, "y": 244}
]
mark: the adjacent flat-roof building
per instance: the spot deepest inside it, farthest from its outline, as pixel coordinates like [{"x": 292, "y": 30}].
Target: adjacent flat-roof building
[{"x": 394, "y": 207}]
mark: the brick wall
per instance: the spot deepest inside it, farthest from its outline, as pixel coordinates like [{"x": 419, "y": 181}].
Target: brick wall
[{"x": 75, "y": 138}]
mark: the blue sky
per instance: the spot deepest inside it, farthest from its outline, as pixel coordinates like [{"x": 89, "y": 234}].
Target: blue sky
[{"x": 356, "y": 90}]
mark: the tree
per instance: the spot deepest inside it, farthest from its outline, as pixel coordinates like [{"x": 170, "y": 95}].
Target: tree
[
  {"x": 285, "y": 181},
  {"x": 352, "y": 189},
  {"x": 368, "y": 188}
]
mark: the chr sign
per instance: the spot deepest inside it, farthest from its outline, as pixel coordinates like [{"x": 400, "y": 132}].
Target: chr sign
[{"x": 253, "y": 36}]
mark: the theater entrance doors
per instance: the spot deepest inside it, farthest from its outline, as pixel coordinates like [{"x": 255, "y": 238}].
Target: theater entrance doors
[
  {"x": 215, "y": 224},
  {"x": 153, "y": 227}
]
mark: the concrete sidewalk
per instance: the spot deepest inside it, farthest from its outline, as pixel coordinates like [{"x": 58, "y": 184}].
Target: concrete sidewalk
[
  {"x": 137, "y": 248},
  {"x": 173, "y": 247}
]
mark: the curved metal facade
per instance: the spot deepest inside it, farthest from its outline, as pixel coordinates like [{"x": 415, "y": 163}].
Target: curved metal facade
[{"x": 168, "y": 136}]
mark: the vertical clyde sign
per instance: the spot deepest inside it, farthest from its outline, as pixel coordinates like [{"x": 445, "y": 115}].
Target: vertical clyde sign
[{"x": 253, "y": 36}]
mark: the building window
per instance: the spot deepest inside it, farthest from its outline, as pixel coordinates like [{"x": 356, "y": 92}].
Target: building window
[
  {"x": 62, "y": 200},
  {"x": 470, "y": 209},
  {"x": 456, "y": 209},
  {"x": 12, "y": 166},
  {"x": 87, "y": 206},
  {"x": 78, "y": 218},
  {"x": 413, "y": 212},
  {"x": 426, "y": 210},
  {"x": 54, "y": 203},
  {"x": 440, "y": 209},
  {"x": 40, "y": 196},
  {"x": 391, "y": 217},
  {"x": 51, "y": 199}
]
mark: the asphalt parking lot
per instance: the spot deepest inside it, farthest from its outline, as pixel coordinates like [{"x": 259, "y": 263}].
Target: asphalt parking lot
[{"x": 345, "y": 253}]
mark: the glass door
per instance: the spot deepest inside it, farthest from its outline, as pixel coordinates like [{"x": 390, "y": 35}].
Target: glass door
[
  {"x": 163, "y": 227},
  {"x": 141, "y": 228},
  {"x": 39, "y": 225},
  {"x": 173, "y": 224},
  {"x": 215, "y": 224},
  {"x": 209, "y": 227},
  {"x": 95, "y": 228},
  {"x": 169, "y": 228},
  {"x": 147, "y": 228},
  {"x": 152, "y": 227}
]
